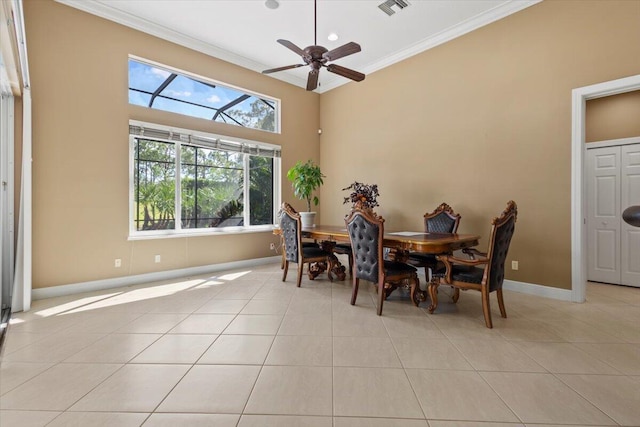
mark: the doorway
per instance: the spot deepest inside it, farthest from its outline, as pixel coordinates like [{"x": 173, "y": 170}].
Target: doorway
[
  {"x": 578, "y": 185},
  {"x": 613, "y": 184}
]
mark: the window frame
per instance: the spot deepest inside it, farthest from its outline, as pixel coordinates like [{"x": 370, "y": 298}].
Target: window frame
[{"x": 178, "y": 231}]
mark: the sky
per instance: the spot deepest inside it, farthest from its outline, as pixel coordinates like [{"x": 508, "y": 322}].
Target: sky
[{"x": 148, "y": 78}]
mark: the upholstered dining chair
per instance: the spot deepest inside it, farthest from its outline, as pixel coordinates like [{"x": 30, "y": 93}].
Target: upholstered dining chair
[
  {"x": 305, "y": 244},
  {"x": 366, "y": 231},
  {"x": 294, "y": 250},
  {"x": 442, "y": 220},
  {"x": 484, "y": 272}
]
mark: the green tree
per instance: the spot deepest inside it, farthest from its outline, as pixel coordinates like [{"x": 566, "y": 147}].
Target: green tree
[
  {"x": 260, "y": 116},
  {"x": 261, "y": 190}
]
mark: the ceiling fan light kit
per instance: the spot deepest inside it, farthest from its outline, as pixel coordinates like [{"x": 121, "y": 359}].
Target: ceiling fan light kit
[{"x": 317, "y": 57}]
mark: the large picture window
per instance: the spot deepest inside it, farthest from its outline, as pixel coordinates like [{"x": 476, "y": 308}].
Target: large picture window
[
  {"x": 184, "y": 182},
  {"x": 162, "y": 88}
]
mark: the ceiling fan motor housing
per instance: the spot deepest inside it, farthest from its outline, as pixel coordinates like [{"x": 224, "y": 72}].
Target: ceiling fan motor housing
[
  {"x": 317, "y": 57},
  {"x": 314, "y": 56}
]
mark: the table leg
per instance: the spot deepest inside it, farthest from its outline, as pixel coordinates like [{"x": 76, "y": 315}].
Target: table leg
[
  {"x": 316, "y": 268},
  {"x": 338, "y": 269}
]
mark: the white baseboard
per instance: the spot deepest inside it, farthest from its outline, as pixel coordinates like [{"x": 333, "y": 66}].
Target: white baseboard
[
  {"x": 538, "y": 290},
  {"x": 116, "y": 282}
]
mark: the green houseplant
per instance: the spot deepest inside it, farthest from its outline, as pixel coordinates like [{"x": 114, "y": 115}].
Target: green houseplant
[{"x": 305, "y": 179}]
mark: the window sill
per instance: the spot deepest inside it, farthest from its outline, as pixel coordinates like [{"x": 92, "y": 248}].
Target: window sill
[{"x": 206, "y": 232}]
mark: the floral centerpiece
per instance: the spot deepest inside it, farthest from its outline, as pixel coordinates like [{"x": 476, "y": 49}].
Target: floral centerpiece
[{"x": 362, "y": 195}]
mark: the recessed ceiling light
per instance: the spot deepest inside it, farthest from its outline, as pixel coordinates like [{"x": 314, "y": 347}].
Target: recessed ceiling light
[
  {"x": 333, "y": 37},
  {"x": 272, "y": 4}
]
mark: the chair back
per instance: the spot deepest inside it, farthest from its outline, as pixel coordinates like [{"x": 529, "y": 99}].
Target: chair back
[
  {"x": 290, "y": 224},
  {"x": 441, "y": 220},
  {"x": 365, "y": 232},
  {"x": 501, "y": 234}
]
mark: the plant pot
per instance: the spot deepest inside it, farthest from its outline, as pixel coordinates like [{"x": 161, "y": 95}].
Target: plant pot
[{"x": 308, "y": 219}]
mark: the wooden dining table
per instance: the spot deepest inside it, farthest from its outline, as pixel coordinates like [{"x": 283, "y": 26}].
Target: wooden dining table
[{"x": 400, "y": 244}]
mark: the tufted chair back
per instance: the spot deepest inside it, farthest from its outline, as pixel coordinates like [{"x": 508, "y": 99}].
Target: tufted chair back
[
  {"x": 290, "y": 225},
  {"x": 441, "y": 220},
  {"x": 501, "y": 234},
  {"x": 365, "y": 232}
]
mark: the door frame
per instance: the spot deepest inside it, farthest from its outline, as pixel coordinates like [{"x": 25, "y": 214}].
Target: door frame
[{"x": 579, "y": 99}]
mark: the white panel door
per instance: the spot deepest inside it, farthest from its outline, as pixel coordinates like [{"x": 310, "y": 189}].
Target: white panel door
[
  {"x": 630, "y": 196},
  {"x": 603, "y": 215}
]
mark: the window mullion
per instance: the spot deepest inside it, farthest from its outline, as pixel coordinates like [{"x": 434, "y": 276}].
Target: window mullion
[
  {"x": 247, "y": 188},
  {"x": 178, "y": 203}
]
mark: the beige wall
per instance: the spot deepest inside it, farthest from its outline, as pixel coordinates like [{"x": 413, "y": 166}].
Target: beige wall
[
  {"x": 78, "y": 65},
  {"x": 475, "y": 122},
  {"x": 613, "y": 117},
  {"x": 480, "y": 120}
]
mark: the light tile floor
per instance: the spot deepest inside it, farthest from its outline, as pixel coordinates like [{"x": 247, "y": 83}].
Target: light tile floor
[{"x": 241, "y": 348}]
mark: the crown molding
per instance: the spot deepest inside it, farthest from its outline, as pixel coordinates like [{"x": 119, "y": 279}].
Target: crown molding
[
  {"x": 442, "y": 37},
  {"x": 105, "y": 11}
]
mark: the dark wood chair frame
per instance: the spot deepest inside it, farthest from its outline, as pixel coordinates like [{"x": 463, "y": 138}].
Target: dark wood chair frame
[
  {"x": 383, "y": 277},
  {"x": 304, "y": 243},
  {"x": 298, "y": 256},
  {"x": 478, "y": 259}
]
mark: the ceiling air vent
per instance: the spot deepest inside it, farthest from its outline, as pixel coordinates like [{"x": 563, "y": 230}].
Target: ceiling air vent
[{"x": 387, "y": 5}]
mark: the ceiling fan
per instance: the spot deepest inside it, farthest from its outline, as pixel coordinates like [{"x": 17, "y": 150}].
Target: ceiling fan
[{"x": 317, "y": 57}]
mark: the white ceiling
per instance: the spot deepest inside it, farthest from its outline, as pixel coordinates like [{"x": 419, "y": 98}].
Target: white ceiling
[{"x": 244, "y": 32}]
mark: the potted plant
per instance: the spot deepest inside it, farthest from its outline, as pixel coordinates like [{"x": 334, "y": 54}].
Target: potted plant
[
  {"x": 306, "y": 178},
  {"x": 364, "y": 196}
]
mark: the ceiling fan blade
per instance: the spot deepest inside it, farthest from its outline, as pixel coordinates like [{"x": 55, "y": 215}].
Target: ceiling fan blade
[
  {"x": 288, "y": 67},
  {"x": 293, "y": 47},
  {"x": 312, "y": 81},
  {"x": 346, "y": 72},
  {"x": 342, "y": 51}
]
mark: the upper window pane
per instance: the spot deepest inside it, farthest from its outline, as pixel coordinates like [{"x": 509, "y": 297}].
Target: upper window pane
[{"x": 155, "y": 87}]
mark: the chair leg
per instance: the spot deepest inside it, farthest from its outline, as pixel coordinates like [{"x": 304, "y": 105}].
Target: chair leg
[
  {"x": 354, "y": 292},
  {"x": 300, "y": 268},
  {"x": 282, "y": 263},
  {"x": 456, "y": 295},
  {"x": 381, "y": 296},
  {"x": 486, "y": 307},
  {"x": 433, "y": 294},
  {"x": 350, "y": 264},
  {"x": 503, "y": 311},
  {"x": 415, "y": 287},
  {"x": 285, "y": 270}
]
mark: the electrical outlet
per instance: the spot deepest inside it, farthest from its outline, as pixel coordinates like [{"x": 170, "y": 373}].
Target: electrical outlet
[
  {"x": 272, "y": 246},
  {"x": 157, "y": 259},
  {"x": 514, "y": 265},
  {"x": 117, "y": 263}
]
